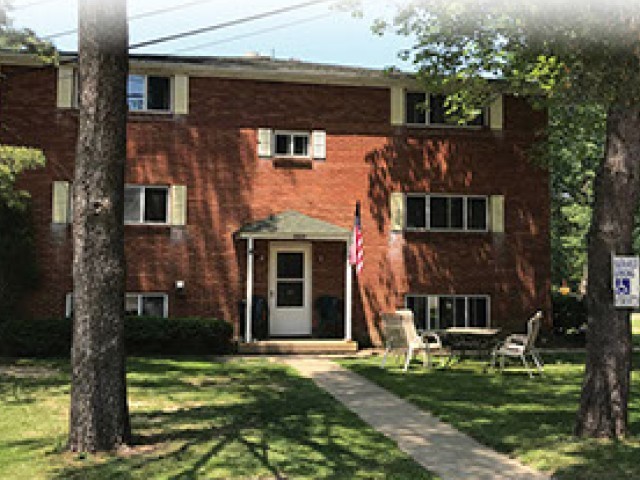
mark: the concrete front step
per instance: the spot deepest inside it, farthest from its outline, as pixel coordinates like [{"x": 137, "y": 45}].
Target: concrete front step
[{"x": 302, "y": 346}]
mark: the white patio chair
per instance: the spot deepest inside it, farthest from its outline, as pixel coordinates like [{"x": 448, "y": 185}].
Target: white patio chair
[
  {"x": 401, "y": 337},
  {"x": 521, "y": 346}
]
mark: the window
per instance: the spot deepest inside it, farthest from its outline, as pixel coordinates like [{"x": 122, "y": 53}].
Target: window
[
  {"x": 149, "y": 93},
  {"x": 136, "y": 305},
  {"x": 435, "y": 113},
  {"x": 144, "y": 204},
  {"x": 292, "y": 144},
  {"x": 446, "y": 212},
  {"x": 437, "y": 312}
]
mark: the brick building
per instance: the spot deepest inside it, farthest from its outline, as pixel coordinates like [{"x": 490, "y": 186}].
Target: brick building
[{"x": 242, "y": 178}]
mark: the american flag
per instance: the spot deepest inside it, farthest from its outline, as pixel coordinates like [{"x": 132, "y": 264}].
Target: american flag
[{"x": 356, "y": 254}]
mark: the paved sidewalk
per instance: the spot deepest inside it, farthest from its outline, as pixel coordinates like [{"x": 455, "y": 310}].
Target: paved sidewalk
[{"x": 438, "y": 447}]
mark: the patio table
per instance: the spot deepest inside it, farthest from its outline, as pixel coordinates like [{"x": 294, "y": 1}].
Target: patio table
[{"x": 463, "y": 341}]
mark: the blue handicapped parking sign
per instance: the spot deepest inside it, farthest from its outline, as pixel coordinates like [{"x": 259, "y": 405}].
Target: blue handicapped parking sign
[{"x": 623, "y": 286}]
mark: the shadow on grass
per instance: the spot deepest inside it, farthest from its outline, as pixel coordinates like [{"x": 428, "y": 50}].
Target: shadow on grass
[
  {"x": 195, "y": 419},
  {"x": 532, "y": 419}
]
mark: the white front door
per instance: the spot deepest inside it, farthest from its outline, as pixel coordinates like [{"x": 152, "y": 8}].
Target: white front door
[{"x": 290, "y": 289}]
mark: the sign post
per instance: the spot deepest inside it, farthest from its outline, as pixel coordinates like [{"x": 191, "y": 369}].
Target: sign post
[{"x": 626, "y": 281}]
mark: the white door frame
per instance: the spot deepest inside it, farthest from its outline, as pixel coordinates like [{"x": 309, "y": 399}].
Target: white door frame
[{"x": 299, "y": 318}]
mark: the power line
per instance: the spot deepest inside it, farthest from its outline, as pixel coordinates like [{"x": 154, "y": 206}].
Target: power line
[
  {"x": 253, "y": 33},
  {"x": 24, "y": 6},
  {"x": 137, "y": 16},
  {"x": 231, "y": 23}
]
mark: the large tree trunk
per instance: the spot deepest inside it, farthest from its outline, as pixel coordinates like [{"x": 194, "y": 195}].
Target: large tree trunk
[
  {"x": 99, "y": 412},
  {"x": 605, "y": 391}
]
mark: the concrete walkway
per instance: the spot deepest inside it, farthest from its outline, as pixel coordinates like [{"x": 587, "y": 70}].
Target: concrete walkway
[{"x": 436, "y": 446}]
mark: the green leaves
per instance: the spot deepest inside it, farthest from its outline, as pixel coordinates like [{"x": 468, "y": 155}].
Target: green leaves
[{"x": 13, "y": 161}]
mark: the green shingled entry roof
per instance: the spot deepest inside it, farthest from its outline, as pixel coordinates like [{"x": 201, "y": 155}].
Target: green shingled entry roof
[{"x": 293, "y": 225}]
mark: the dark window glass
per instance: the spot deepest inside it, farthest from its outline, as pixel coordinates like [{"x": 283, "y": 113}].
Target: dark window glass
[
  {"x": 476, "y": 213},
  {"x": 438, "y": 212},
  {"x": 418, "y": 305},
  {"x": 290, "y": 294},
  {"x": 132, "y": 204},
  {"x": 460, "y": 312},
  {"x": 290, "y": 265},
  {"x": 455, "y": 212},
  {"x": 446, "y": 307},
  {"x": 478, "y": 312},
  {"x": 416, "y": 112},
  {"x": 283, "y": 143},
  {"x": 153, "y": 306},
  {"x": 155, "y": 205},
  {"x": 416, "y": 212},
  {"x": 478, "y": 121},
  {"x": 437, "y": 110},
  {"x": 300, "y": 145},
  {"x": 158, "y": 96}
]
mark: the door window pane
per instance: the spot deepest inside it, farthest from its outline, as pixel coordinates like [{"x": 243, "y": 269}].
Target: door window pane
[
  {"x": 438, "y": 212},
  {"x": 416, "y": 212},
  {"x": 155, "y": 205},
  {"x": 158, "y": 93},
  {"x": 132, "y": 204},
  {"x": 290, "y": 265},
  {"x": 153, "y": 306},
  {"x": 478, "y": 314},
  {"x": 455, "y": 213},
  {"x": 290, "y": 294},
  {"x": 446, "y": 305},
  {"x": 460, "y": 312},
  {"x": 476, "y": 214},
  {"x": 416, "y": 112},
  {"x": 418, "y": 305}
]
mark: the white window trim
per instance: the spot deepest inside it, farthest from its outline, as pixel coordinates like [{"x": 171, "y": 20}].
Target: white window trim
[
  {"x": 427, "y": 123},
  {"x": 454, "y": 296},
  {"x": 145, "y": 99},
  {"x": 142, "y": 189},
  {"x": 68, "y": 307},
  {"x": 465, "y": 200},
  {"x": 291, "y": 133}
]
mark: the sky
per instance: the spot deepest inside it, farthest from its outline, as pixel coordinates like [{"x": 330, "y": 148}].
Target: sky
[{"x": 315, "y": 33}]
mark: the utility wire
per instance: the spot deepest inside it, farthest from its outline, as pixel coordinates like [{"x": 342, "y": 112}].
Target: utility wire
[
  {"x": 253, "y": 33},
  {"x": 137, "y": 16},
  {"x": 231, "y": 23},
  {"x": 24, "y": 6}
]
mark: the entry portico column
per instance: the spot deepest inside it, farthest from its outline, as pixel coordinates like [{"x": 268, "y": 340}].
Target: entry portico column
[
  {"x": 249, "y": 299},
  {"x": 347, "y": 296}
]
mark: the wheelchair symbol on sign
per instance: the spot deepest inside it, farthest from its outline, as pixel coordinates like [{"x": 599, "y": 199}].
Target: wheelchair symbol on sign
[{"x": 623, "y": 286}]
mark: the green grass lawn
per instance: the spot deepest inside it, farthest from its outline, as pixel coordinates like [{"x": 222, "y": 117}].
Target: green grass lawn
[
  {"x": 528, "y": 419},
  {"x": 635, "y": 329},
  {"x": 195, "y": 418}
]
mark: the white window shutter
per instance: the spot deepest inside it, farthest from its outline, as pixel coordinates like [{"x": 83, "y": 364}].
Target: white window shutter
[
  {"x": 178, "y": 205},
  {"x": 60, "y": 203},
  {"x": 496, "y": 114},
  {"x": 398, "y": 105},
  {"x": 396, "y": 211},
  {"x": 497, "y": 213},
  {"x": 66, "y": 83},
  {"x": 181, "y": 94},
  {"x": 319, "y": 144},
  {"x": 264, "y": 142}
]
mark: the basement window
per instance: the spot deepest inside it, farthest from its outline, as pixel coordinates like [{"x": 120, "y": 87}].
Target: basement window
[
  {"x": 136, "y": 305},
  {"x": 437, "y": 312}
]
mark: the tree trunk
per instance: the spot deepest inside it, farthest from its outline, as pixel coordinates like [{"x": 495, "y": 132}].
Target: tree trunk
[
  {"x": 99, "y": 417},
  {"x": 605, "y": 390}
]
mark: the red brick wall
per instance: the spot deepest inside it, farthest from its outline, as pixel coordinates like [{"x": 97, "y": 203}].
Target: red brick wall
[{"x": 212, "y": 151}]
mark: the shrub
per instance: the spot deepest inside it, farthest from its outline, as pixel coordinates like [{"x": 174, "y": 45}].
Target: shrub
[
  {"x": 143, "y": 336},
  {"x": 569, "y": 313}
]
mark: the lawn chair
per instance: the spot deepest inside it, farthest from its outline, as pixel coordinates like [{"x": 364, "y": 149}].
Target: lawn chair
[
  {"x": 401, "y": 338},
  {"x": 519, "y": 345}
]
